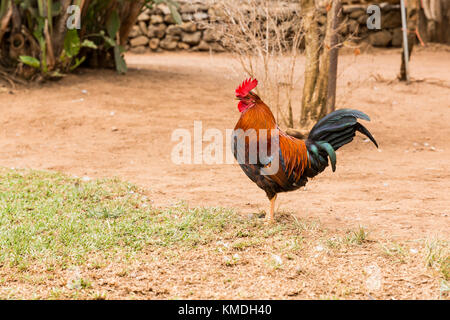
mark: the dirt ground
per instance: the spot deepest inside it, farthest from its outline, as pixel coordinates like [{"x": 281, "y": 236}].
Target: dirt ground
[
  {"x": 122, "y": 127},
  {"x": 103, "y": 125}
]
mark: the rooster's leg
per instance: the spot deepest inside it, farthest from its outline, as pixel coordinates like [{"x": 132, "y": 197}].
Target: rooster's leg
[{"x": 270, "y": 218}]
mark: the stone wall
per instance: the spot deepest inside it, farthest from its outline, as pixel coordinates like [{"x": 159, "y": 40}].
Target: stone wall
[{"x": 157, "y": 31}]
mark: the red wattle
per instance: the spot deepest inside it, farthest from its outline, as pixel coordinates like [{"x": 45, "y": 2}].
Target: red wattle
[{"x": 242, "y": 106}]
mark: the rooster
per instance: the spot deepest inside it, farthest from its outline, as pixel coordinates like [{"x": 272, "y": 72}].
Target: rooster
[{"x": 288, "y": 165}]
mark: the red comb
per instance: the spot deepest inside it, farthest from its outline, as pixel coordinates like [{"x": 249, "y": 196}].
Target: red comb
[{"x": 245, "y": 87}]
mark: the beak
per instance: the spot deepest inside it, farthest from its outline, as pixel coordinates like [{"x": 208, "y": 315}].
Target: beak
[{"x": 237, "y": 98}]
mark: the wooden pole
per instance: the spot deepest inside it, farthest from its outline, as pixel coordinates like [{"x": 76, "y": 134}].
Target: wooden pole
[
  {"x": 332, "y": 76},
  {"x": 405, "y": 39}
]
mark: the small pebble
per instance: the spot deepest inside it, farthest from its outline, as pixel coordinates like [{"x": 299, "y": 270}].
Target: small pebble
[
  {"x": 277, "y": 259},
  {"x": 318, "y": 248}
]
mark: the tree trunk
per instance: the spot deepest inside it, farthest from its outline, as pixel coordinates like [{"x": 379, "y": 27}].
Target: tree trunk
[
  {"x": 312, "y": 52},
  {"x": 437, "y": 20},
  {"x": 334, "y": 44},
  {"x": 412, "y": 21},
  {"x": 319, "y": 90},
  {"x": 129, "y": 14},
  {"x": 60, "y": 28}
]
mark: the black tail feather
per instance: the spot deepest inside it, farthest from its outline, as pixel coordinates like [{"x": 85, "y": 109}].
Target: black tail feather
[
  {"x": 359, "y": 127},
  {"x": 329, "y": 134}
]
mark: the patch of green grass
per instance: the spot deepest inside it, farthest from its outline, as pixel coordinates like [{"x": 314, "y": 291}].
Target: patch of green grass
[
  {"x": 444, "y": 290},
  {"x": 437, "y": 257},
  {"x": 56, "y": 221},
  {"x": 334, "y": 242},
  {"x": 231, "y": 261},
  {"x": 294, "y": 244},
  {"x": 79, "y": 283},
  {"x": 59, "y": 220},
  {"x": 352, "y": 237},
  {"x": 357, "y": 237},
  {"x": 303, "y": 225},
  {"x": 99, "y": 296},
  {"x": 243, "y": 244},
  {"x": 395, "y": 251}
]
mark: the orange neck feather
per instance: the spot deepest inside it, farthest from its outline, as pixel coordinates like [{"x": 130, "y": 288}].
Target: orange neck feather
[{"x": 257, "y": 117}]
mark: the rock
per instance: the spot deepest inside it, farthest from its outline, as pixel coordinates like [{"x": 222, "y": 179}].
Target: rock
[
  {"x": 139, "y": 41},
  {"x": 174, "y": 30},
  {"x": 156, "y": 10},
  {"x": 191, "y": 38},
  {"x": 155, "y": 19},
  {"x": 143, "y": 16},
  {"x": 138, "y": 49},
  {"x": 397, "y": 38},
  {"x": 391, "y": 19},
  {"x": 195, "y": 34},
  {"x": 187, "y": 17},
  {"x": 203, "y": 46},
  {"x": 198, "y": 16},
  {"x": 217, "y": 47},
  {"x": 203, "y": 6},
  {"x": 380, "y": 38},
  {"x": 188, "y": 8},
  {"x": 374, "y": 277},
  {"x": 168, "y": 43},
  {"x": 169, "y": 19},
  {"x": 212, "y": 15},
  {"x": 142, "y": 27},
  {"x": 189, "y": 26},
  {"x": 135, "y": 31},
  {"x": 154, "y": 43},
  {"x": 357, "y": 13},
  {"x": 164, "y": 8},
  {"x": 216, "y": 14},
  {"x": 183, "y": 46},
  {"x": 209, "y": 35},
  {"x": 156, "y": 30},
  {"x": 201, "y": 26}
]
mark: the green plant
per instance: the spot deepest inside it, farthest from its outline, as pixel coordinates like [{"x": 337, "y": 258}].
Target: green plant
[
  {"x": 35, "y": 38},
  {"x": 357, "y": 237},
  {"x": 437, "y": 257}
]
